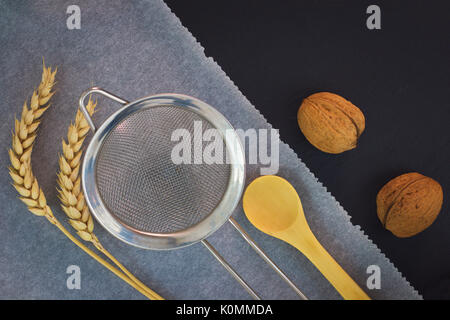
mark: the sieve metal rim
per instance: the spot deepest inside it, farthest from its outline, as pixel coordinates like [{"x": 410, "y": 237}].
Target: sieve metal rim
[{"x": 184, "y": 237}]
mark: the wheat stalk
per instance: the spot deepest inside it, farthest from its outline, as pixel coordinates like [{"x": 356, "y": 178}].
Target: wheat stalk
[
  {"x": 22, "y": 175},
  {"x": 72, "y": 199}
]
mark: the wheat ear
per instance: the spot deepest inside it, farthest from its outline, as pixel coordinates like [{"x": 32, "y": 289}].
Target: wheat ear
[
  {"x": 22, "y": 145},
  {"x": 70, "y": 194},
  {"x": 22, "y": 175},
  {"x": 72, "y": 199}
]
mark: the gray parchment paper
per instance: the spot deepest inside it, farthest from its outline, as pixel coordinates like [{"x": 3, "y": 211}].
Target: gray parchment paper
[{"x": 134, "y": 49}]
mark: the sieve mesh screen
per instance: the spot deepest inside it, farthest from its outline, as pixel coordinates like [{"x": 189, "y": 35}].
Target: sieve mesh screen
[{"x": 141, "y": 185}]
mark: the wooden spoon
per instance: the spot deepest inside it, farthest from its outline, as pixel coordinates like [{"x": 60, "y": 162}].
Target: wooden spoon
[{"x": 273, "y": 206}]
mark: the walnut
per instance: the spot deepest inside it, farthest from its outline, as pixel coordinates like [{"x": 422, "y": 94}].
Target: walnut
[
  {"x": 408, "y": 204},
  {"x": 330, "y": 123}
]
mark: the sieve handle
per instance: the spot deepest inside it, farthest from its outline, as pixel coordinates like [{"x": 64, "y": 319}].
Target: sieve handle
[
  {"x": 227, "y": 266},
  {"x": 102, "y": 92},
  {"x": 265, "y": 257}
]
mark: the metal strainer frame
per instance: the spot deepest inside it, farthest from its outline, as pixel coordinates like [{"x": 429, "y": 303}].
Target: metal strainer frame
[
  {"x": 197, "y": 232},
  {"x": 192, "y": 234}
]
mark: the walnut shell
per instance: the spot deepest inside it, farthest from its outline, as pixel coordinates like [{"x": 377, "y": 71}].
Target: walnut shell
[
  {"x": 408, "y": 204},
  {"x": 330, "y": 123}
]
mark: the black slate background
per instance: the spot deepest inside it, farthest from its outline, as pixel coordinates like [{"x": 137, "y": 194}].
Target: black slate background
[{"x": 279, "y": 52}]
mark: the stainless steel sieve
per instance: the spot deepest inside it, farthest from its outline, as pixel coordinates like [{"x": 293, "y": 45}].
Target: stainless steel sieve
[{"x": 139, "y": 194}]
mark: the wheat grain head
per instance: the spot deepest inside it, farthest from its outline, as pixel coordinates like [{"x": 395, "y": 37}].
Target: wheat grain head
[
  {"x": 23, "y": 138},
  {"x": 72, "y": 199}
]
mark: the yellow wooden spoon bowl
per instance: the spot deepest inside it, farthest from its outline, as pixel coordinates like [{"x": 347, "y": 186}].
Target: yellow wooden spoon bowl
[{"x": 273, "y": 206}]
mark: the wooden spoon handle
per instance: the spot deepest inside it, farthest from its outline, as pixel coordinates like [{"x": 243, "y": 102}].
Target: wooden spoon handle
[{"x": 337, "y": 276}]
